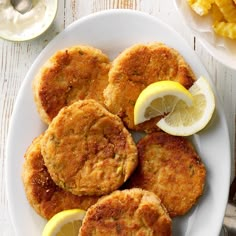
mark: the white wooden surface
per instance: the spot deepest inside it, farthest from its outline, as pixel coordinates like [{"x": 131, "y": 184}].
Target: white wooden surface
[{"x": 16, "y": 59}]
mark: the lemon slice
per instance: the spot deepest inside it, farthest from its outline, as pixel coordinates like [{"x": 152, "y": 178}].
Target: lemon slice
[
  {"x": 184, "y": 120},
  {"x": 159, "y": 99},
  {"x": 66, "y": 222}
]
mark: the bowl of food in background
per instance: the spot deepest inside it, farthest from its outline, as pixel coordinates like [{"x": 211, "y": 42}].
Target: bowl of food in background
[
  {"x": 23, "y": 26},
  {"x": 214, "y": 23}
]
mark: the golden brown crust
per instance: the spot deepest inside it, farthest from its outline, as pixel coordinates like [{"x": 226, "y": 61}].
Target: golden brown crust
[
  {"x": 71, "y": 74},
  {"x": 87, "y": 150},
  {"x": 128, "y": 212},
  {"x": 170, "y": 167},
  {"x": 136, "y": 68},
  {"x": 42, "y": 193}
]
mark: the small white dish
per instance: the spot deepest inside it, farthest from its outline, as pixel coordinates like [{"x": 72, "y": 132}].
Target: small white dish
[
  {"x": 222, "y": 49},
  {"x": 112, "y": 31},
  {"x": 15, "y": 26}
]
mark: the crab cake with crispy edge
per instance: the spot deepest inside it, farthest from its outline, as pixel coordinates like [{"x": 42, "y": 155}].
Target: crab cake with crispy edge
[
  {"x": 42, "y": 193},
  {"x": 127, "y": 212},
  {"x": 71, "y": 74},
  {"x": 87, "y": 150},
  {"x": 137, "y": 67},
  {"x": 170, "y": 167}
]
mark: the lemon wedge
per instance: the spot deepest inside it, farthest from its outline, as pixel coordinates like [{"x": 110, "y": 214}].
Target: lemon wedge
[
  {"x": 66, "y": 222},
  {"x": 185, "y": 112},
  {"x": 159, "y": 99},
  {"x": 184, "y": 120}
]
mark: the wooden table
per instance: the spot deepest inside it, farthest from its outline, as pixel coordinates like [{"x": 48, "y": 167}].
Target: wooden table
[{"x": 17, "y": 57}]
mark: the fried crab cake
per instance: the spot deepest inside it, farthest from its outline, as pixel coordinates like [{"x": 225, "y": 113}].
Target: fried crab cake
[
  {"x": 71, "y": 74},
  {"x": 134, "y": 69},
  {"x": 170, "y": 167},
  {"x": 126, "y": 213},
  {"x": 42, "y": 193},
  {"x": 87, "y": 150}
]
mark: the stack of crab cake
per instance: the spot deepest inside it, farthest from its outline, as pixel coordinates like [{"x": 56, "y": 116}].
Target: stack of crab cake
[
  {"x": 87, "y": 157},
  {"x": 86, "y": 151}
]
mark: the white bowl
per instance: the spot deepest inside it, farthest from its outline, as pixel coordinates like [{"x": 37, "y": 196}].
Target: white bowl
[
  {"x": 222, "y": 49},
  {"x": 15, "y": 26}
]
